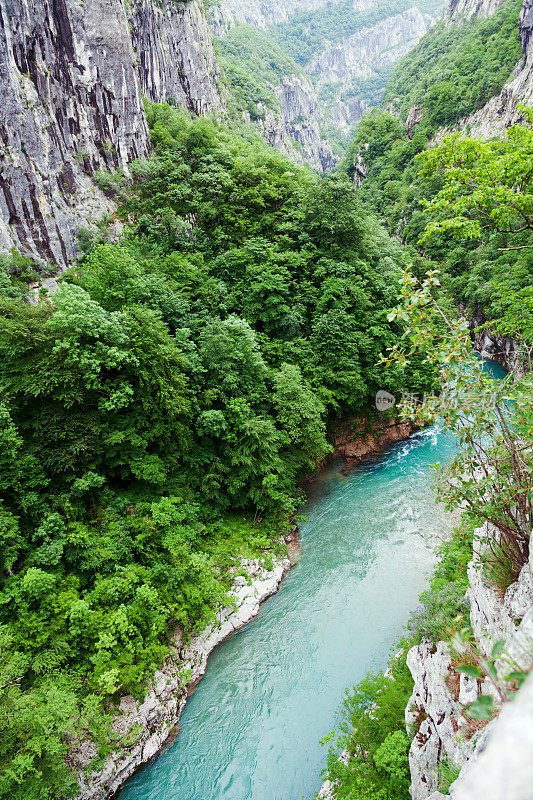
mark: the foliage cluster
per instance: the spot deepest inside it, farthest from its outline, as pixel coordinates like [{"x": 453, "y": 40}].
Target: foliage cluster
[
  {"x": 157, "y": 414},
  {"x": 456, "y": 69},
  {"x": 475, "y": 196},
  {"x": 254, "y": 65}
]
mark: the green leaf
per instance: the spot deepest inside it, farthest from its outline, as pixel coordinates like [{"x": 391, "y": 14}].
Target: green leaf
[
  {"x": 472, "y": 672},
  {"x": 482, "y": 708},
  {"x": 517, "y": 676},
  {"x": 497, "y": 648}
]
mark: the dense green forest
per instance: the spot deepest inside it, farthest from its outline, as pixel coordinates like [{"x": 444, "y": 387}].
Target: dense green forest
[
  {"x": 456, "y": 69},
  {"x": 158, "y": 414},
  {"x": 399, "y": 178}
]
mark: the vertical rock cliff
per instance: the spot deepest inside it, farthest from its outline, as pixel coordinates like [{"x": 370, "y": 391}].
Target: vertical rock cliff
[
  {"x": 294, "y": 129},
  {"x": 175, "y": 55},
  {"x": 457, "y": 10},
  {"x": 72, "y": 76},
  {"x": 436, "y": 710},
  {"x": 359, "y": 57},
  {"x": 70, "y": 105}
]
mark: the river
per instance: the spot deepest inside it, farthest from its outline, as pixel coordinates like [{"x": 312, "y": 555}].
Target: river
[{"x": 251, "y": 730}]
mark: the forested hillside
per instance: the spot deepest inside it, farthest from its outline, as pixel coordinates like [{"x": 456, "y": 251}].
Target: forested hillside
[
  {"x": 342, "y": 53},
  {"x": 451, "y": 73},
  {"x": 158, "y": 413},
  {"x": 464, "y": 205}
]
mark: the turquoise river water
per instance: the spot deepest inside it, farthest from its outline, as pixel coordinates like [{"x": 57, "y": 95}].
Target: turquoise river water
[{"x": 251, "y": 730}]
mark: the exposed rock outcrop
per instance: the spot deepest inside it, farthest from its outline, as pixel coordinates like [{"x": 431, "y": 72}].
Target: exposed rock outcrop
[
  {"x": 147, "y": 724},
  {"x": 175, "y": 55},
  {"x": 502, "y": 111},
  {"x": 460, "y": 10},
  {"x": 376, "y": 45},
  {"x": 295, "y": 130},
  {"x": 498, "y": 348},
  {"x": 334, "y": 68},
  {"x": 359, "y": 438},
  {"x": 359, "y": 56},
  {"x": 440, "y": 695},
  {"x": 71, "y": 104},
  {"x": 432, "y": 717},
  {"x": 503, "y": 770},
  {"x": 260, "y": 13}
]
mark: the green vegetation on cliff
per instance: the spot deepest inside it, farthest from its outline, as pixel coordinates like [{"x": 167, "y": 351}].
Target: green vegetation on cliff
[
  {"x": 455, "y": 69},
  {"x": 452, "y": 72},
  {"x": 254, "y": 66},
  {"x": 156, "y": 418}
]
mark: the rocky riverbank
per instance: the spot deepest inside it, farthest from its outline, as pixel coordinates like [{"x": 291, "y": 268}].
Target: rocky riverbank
[
  {"x": 144, "y": 726},
  {"x": 358, "y": 437},
  {"x": 436, "y": 710},
  {"x": 495, "y": 347}
]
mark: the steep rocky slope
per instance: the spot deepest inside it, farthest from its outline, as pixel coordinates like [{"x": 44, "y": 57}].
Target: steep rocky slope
[
  {"x": 457, "y": 10},
  {"x": 440, "y": 695},
  {"x": 345, "y": 74},
  {"x": 175, "y": 56},
  {"x": 502, "y": 111},
  {"x": 358, "y": 57},
  {"x": 260, "y": 12},
  {"x": 294, "y": 129},
  {"x": 70, "y": 105},
  {"x": 71, "y": 94}
]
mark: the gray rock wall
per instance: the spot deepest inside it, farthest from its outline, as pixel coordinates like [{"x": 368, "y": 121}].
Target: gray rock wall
[
  {"x": 71, "y": 104},
  {"x": 457, "y": 10},
  {"x": 495, "y": 347},
  {"x": 439, "y": 698},
  {"x": 175, "y": 55}
]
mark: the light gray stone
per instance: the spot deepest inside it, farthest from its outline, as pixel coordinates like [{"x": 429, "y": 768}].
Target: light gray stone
[
  {"x": 468, "y": 690},
  {"x": 519, "y": 596},
  {"x": 504, "y": 770},
  {"x": 71, "y": 105}
]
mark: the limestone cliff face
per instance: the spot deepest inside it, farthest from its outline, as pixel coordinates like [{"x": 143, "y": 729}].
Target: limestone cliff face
[
  {"x": 495, "y": 760},
  {"x": 457, "y": 10},
  {"x": 71, "y": 104},
  {"x": 355, "y": 55},
  {"x": 175, "y": 55},
  {"x": 261, "y": 13},
  {"x": 334, "y": 69},
  {"x": 294, "y": 128},
  {"x": 359, "y": 56}
]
